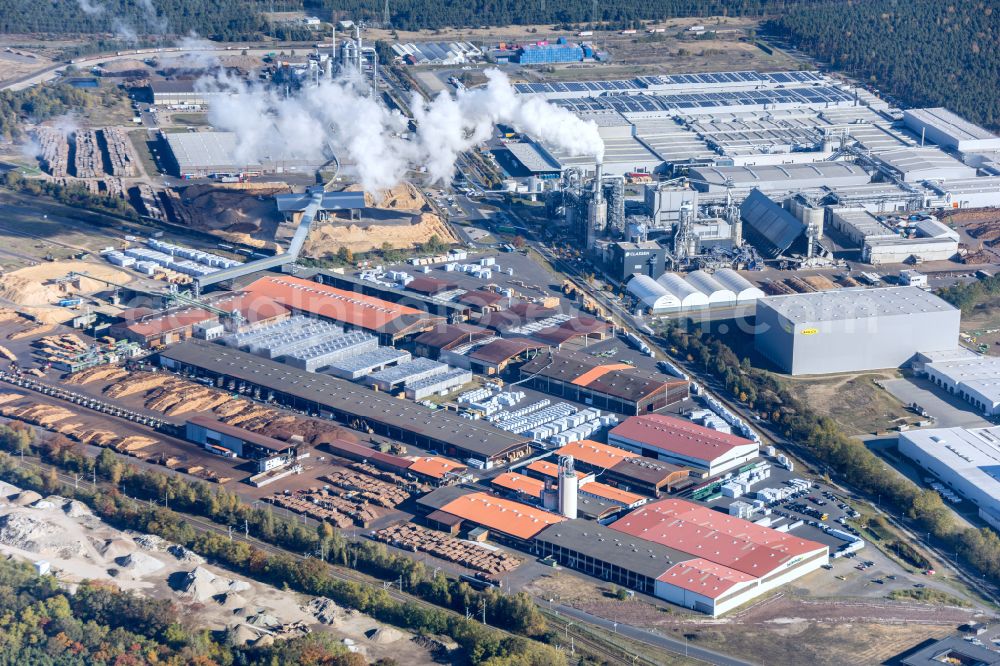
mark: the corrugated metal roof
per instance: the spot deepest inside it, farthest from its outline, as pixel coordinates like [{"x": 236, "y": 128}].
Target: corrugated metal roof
[{"x": 769, "y": 226}]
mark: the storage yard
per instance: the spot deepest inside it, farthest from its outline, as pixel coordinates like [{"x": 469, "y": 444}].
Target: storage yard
[{"x": 506, "y": 408}]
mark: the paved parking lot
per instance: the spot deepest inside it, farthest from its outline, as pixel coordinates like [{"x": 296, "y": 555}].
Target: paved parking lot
[
  {"x": 948, "y": 410},
  {"x": 792, "y": 509}
]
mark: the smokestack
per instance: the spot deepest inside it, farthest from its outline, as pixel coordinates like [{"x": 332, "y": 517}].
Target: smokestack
[
  {"x": 598, "y": 182},
  {"x": 568, "y": 487}
]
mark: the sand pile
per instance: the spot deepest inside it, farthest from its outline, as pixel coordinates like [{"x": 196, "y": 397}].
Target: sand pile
[
  {"x": 75, "y": 509},
  {"x": 185, "y": 555},
  {"x": 264, "y": 620},
  {"x": 324, "y": 610},
  {"x": 36, "y": 285},
  {"x": 201, "y": 585},
  {"x": 243, "y": 635},
  {"x": 26, "y": 498},
  {"x": 383, "y": 635},
  {"x": 231, "y": 600},
  {"x": 139, "y": 564},
  {"x": 37, "y": 535},
  {"x": 116, "y": 548},
  {"x": 150, "y": 542}
]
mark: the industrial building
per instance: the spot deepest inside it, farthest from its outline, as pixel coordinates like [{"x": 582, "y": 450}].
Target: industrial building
[
  {"x": 267, "y": 452},
  {"x": 965, "y": 460},
  {"x": 976, "y": 380},
  {"x": 913, "y": 165},
  {"x": 716, "y": 138},
  {"x": 705, "y": 561},
  {"x": 616, "y": 387},
  {"x": 853, "y": 329},
  {"x": 211, "y": 153},
  {"x": 437, "y": 53},
  {"x": 545, "y": 53},
  {"x": 683, "y": 443},
  {"x": 698, "y": 289},
  {"x": 951, "y": 650},
  {"x": 451, "y": 336},
  {"x": 157, "y": 328},
  {"x": 493, "y": 356},
  {"x": 181, "y": 93},
  {"x": 727, "y": 560},
  {"x": 506, "y": 520},
  {"x": 950, "y": 130},
  {"x": 390, "y": 322},
  {"x": 787, "y": 177},
  {"x": 480, "y": 444},
  {"x": 628, "y": 259},
  {"x": 982, "y": 192},
  {"x": 452, "y": 311},
  {"x": 578, "y": 329},
  {"x": 893, "y": 240},
  {"x": 768, "y": 226},
  {"x": 625, "y": 469}
]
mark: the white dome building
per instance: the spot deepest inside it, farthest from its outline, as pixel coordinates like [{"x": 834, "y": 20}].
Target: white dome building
[
  {"x": 717, "y": 293},
  {"x": 739, "y": 285},
  {"x": 652, "y": 294},
  {"x": 688, "y": 296}
]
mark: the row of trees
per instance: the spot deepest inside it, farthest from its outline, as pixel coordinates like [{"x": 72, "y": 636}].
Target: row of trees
[
  {"x": 37, "y": 103},
  {"x": 74, "y": 194},
  {"x": 926, "y": 52},
  {"x": 969, "y": 296},
  {"x": 230, "y": 20},
  {"x": 130, "y": 20},
  {"x": 434, "y": 14},
  {"x": 845, "y": 456},
  {"x": 516, "y": 613},
  {"x": 44, "y": 625}
]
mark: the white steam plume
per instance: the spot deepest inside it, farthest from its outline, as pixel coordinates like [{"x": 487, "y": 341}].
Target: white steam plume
[
  {"x": 157, "y": 24},
  {"x": 124, "y": 30},
  {"x": 340, "y": 116},
  {"x": 199, "y": 53},
  {"x": 449, "y": 125},
  {"x": 334, "y": 116},
  {"x": 90, "y": 7}
]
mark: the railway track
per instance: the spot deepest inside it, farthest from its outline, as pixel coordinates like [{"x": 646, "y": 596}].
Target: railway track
[{"x": 616, "y": 656}]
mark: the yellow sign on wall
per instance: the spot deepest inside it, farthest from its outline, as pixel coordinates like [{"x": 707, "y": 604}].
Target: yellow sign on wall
[{"x": 809, "y": 331}]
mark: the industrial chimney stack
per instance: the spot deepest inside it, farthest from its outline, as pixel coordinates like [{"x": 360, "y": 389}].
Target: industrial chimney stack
[{"x": 568, "y": 487}]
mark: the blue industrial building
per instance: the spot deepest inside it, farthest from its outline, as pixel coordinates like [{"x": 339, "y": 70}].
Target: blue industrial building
[{"x": 544, "y": 54}]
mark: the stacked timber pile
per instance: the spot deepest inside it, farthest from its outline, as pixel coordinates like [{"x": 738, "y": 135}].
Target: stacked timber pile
[
  {"x": 109, "y": 373},
  {"x": 123, "y": 160},
  {"x": 53, "y": 151},
  {"x": 419, "y": 539},
  {"x": 88, "y": 163}
]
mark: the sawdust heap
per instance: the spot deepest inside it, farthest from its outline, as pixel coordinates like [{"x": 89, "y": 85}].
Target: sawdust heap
[
  {"x": 403, "y": 196},
  {"x": 34, "y": 286}
]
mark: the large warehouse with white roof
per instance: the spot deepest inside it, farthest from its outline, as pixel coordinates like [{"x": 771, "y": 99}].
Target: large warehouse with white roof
[
  {"x": 966, "y": 460},
  {"x": 853, "y": 329}
]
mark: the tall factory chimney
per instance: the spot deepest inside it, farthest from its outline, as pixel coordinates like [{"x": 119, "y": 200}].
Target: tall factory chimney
[
  {"x": 568, "y": 487},
  {"x": 597, "y": 210}
]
